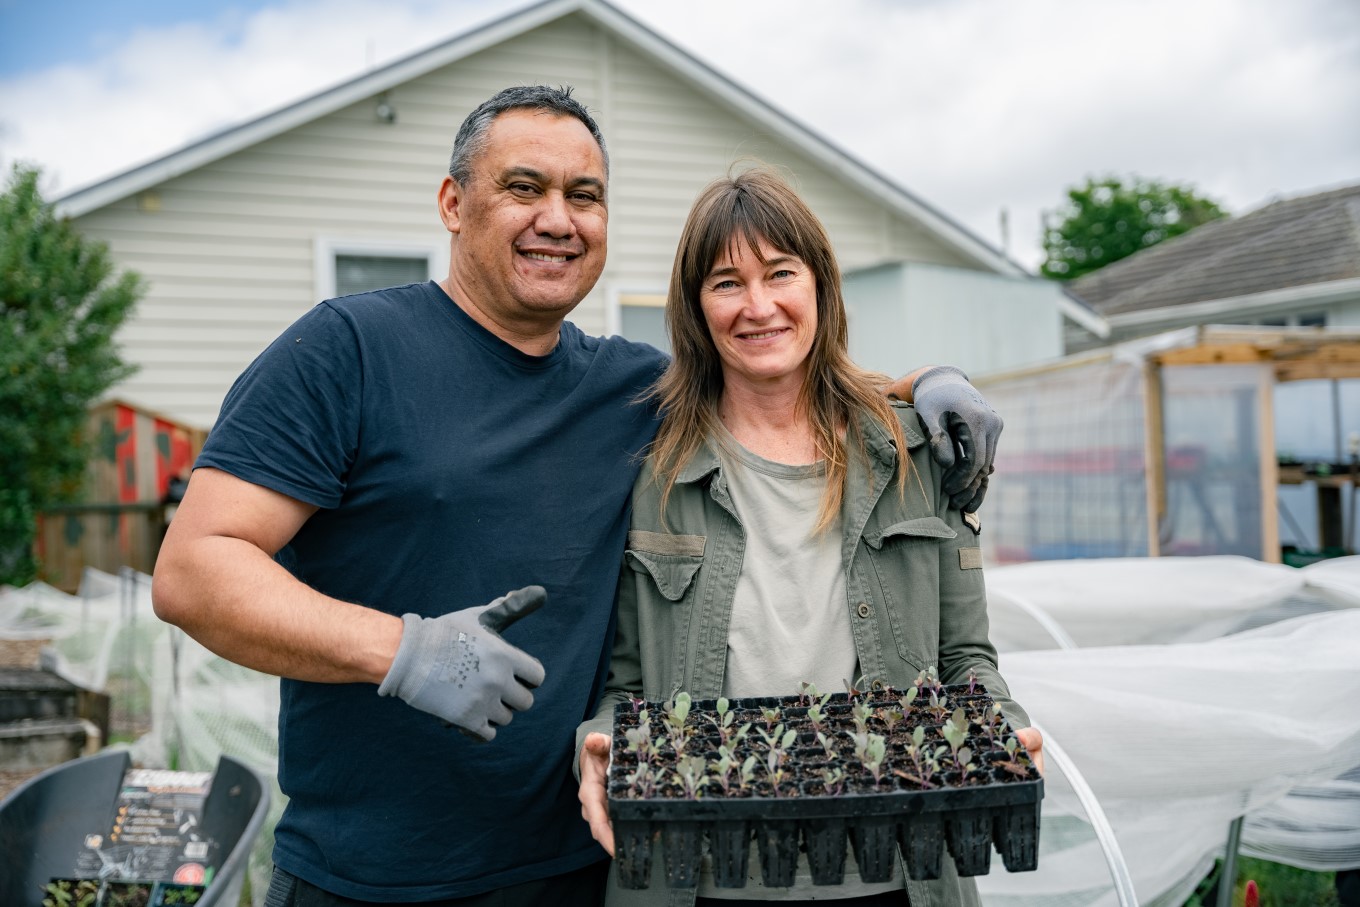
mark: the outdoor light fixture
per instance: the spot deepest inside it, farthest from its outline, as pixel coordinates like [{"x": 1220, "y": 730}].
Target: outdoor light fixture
[{"x": 385, "y": 111}]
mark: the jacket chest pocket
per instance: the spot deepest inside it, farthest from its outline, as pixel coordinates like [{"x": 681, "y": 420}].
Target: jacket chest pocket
[
  {"x": 906, "y": 560},
  {"x": 670, "y": 561}
]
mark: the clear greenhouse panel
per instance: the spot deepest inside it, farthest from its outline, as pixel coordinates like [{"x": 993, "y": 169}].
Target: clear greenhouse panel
[{"x": 1070, "y": 476}]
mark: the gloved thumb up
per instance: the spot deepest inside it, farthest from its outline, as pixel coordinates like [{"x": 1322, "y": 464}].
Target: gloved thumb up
[
  {"x": 458, "y": 667},
  {"x": 506, "y": 610}
]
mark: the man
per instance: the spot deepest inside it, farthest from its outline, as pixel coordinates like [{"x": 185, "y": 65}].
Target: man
[{"x": 395, "y": 460}]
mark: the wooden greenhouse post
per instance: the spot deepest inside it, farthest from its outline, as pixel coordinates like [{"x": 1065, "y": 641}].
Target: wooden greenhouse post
[
  {"x": 1270, "y": 469},
  {"x": 1154, "y": 453}
]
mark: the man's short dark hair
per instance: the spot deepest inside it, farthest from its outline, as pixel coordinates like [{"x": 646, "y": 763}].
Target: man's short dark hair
[{"x": 471, "y": 138}]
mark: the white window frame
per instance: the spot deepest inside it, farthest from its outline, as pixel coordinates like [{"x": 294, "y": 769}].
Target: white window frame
[
  {"x": 327, "y": 248},
  {"x": 613, "y": 308}
]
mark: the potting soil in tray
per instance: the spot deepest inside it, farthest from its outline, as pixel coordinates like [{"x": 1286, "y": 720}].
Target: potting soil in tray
[{"x": 666, "y": 812}]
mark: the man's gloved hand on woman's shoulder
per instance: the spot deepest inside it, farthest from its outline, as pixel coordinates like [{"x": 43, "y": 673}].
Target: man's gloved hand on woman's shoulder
[{"x": 963, "y": 430}]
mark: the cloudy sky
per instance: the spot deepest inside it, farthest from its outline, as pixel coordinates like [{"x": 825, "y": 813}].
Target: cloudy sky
[{"x": 974, "y": 105}]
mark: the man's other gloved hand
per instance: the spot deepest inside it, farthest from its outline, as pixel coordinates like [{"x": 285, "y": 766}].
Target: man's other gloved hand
[
  {"x": 954, "y": 412},
  {"x": 458, "y": 667}
]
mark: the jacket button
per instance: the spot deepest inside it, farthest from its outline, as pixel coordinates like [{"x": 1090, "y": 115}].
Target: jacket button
[{"x": 864, "y": 610}]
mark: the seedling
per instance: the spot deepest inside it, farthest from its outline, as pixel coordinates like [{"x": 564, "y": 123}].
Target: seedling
[
  {"x": 955, "y": 731},
  {"x": 677, "y": 710},
  {"x": 748, "y": 772},
  {"x": 853, "y": 690},
  {"x": 938, "y": 705},
  {"x": 778, "y": 755},
  {"x": 992, "y": 723},
  {"x": 875, "y": 749},
  {"x": 643, "y": 781},
  {"x": 771, "y": 716},
  {"x": 928, "y": 682},
  {"x": 725, "y": 718},
  {"x": 640, "y": 739},
  {"x": 724, "y": 768},
  {"x": 1013, "y": 753},
  {"x": 691, "y": 772},
  {"x": 923, "y": 761},
  {"x": 972, "y": 681},
  {"x": 907, "y": 698},
  {"x": 127, "y": 894},
  {"x": 834, "y": 781},
  {"x": 70, "y": 893},
  {"x": 891, "y": 718},
  {"x": 676, "y": 713},
  {"x": 861, "y": 742},
  {"x": 173, "y": 896},
  {"x": 828, "y": 745},
  {"x": 816, "y": 713},
  {"x": 772, "y": 739},
  {"x": 860, "y": 713}
]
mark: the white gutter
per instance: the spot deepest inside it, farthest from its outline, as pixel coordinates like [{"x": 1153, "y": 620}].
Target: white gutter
[
  {"x": 1237, "y": 306},
  {"x": 1084, "y": 315}
]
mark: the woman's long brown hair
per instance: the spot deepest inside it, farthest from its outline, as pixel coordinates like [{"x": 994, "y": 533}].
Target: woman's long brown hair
[{"x": 753, "y": 205}]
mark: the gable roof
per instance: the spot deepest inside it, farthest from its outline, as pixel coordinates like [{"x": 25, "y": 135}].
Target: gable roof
[
  {"x": 1298, "y": 242},
  {"x": 621, "y": 26}
]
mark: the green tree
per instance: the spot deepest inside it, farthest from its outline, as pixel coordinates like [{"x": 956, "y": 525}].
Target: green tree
[
  {"x": 60, "y": 306},
  {"x": 1106, "y": 220}
]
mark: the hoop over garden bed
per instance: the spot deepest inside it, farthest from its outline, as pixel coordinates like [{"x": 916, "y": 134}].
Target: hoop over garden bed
[{"x": 935, "y": 767}]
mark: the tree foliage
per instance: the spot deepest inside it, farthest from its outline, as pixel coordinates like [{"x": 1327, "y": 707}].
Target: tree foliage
[
  {"x": 60, "y": 306},
  {"x": 1106, "y": 220}
]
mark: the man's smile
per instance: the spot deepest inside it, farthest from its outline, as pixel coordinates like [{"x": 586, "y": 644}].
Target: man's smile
[{"x": 544, "y": 256}]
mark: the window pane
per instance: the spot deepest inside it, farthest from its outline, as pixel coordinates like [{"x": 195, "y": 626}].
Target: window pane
[
  {"x": 361, "y": 273},
  {"x": 643, "y": 318},
  {"x": 1313, "y": 320}
]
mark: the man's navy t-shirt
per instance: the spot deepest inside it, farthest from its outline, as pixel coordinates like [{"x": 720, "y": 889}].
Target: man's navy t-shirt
[{"x": 449, "y": 468}]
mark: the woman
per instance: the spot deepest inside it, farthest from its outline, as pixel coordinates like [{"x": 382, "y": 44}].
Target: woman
[{"x": 778, "y": 535}]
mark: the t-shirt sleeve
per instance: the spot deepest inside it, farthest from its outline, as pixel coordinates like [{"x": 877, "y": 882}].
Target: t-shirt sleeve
[{"x": 291, "y": 421}]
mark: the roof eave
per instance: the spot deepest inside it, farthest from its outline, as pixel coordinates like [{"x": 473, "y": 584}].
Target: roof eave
[
  {"x": 1248, "y": 304},
  {"x": 1080, "y": 311},
  {"x": 237, "y": 138}
]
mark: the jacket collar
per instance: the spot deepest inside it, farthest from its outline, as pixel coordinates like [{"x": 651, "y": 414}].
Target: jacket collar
[
  {"x": 880, "y": 443},
  {"x": 704, "y": 462}
]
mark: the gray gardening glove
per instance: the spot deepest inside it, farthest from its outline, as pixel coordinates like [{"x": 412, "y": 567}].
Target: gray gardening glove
[
  {"x": 955, "y": 413},
  {"x": 457, "y": 666}
]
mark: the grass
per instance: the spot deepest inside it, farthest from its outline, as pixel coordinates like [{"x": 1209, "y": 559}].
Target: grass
[{"x": 1279, "y": 886}]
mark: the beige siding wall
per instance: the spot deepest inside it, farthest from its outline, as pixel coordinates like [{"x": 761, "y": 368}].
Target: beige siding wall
[{"x": 229, "y": 249}]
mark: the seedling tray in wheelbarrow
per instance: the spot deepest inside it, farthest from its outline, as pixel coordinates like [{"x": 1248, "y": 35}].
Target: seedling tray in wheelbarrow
[{"x": 853, "y": 767}]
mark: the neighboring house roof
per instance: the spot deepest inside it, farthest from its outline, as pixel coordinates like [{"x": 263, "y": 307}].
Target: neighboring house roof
[
  {"x": 722, "y": 89},
  {"x": 1309, "y": 241}
]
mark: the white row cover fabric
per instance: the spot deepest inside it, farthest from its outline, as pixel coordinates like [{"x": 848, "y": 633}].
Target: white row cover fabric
[
  {"x": 1192, "y": 691},
  {"x": 1239, "y": 699}
]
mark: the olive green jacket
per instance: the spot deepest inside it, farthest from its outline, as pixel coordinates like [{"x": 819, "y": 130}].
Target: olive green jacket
[{"x": 913, "y": 584}]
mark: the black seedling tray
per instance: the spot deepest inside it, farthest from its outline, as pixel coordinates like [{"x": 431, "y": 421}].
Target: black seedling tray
[{"x": 996, "y": 808}]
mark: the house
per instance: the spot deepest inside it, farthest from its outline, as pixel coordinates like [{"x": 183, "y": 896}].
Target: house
[
  {"x": 1291, "y": 262},
  {"x": 240, "y": 233}
]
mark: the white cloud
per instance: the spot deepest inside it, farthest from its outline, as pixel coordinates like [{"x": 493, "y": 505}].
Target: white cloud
[
  {"x": 165, "y": 87},
  {"x": 971, "y": 104}
]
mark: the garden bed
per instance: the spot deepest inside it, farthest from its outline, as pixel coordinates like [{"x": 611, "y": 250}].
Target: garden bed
[{"x": 916, "y": 771}]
